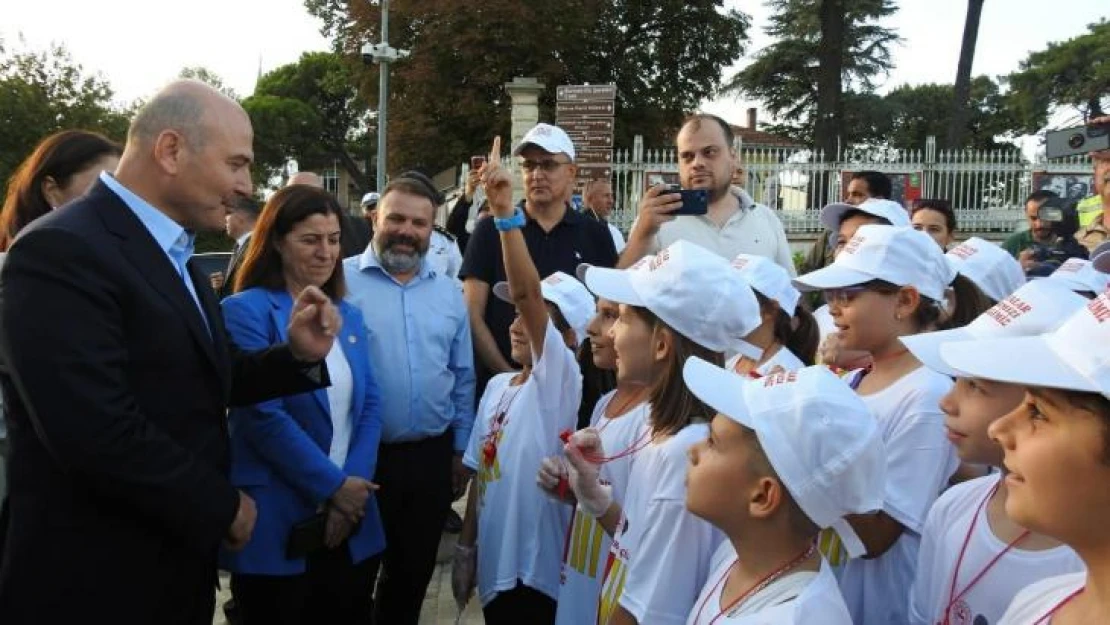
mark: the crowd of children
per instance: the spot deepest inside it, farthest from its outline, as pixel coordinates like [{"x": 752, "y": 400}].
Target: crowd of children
[{"x": 955, "y": 472}]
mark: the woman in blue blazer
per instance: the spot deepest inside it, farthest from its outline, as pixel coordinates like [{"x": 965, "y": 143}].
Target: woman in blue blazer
[{"x": 306, "y": 457}]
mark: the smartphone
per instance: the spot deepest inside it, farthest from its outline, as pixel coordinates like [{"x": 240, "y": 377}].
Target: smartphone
[
  {"x": 476, "y": 162},
  {"x": 1077, "y": 140},
  {"x": 694, "y": 201}
]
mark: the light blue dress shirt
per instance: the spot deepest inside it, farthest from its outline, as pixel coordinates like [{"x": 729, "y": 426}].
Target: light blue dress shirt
[
  {"x": 176, "y": 242},
  {"x": 420, "y": 347}
]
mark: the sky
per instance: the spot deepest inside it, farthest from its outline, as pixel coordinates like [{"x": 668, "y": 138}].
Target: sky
[{"x": 145, "y": 43}]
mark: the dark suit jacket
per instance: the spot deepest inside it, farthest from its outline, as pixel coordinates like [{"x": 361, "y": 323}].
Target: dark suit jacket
[
  {"x": 115, "y": 393},
  {"x": 233, "y": 269}
]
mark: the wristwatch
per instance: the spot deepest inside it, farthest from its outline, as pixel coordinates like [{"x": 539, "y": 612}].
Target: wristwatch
[{"x": 510, "y": 223}]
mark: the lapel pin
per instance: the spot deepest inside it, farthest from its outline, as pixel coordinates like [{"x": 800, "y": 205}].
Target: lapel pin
[{"x": 352, "y": 339}]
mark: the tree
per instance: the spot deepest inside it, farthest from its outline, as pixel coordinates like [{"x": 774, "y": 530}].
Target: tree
[
  {"x": 1070, "y": 76},
  {"x": 210, "y": 78},
  {"x": 310, "y": 111},
  {"x": 788, "y": 75},
  {"x": 448, "y": 98},
  {"x": 958, "y": 118},
  {"x": 42, "y": 92}
]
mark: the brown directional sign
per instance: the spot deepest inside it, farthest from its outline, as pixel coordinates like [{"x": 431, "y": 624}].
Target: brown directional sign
[
  {"x": 593, "y": 156},
  {"x": 584, "y": 93},
  {"x": 593, "y": 171},
  {"x": 585, "y": 109},
  {"x": 586, "y": 124},
  {"x": 587, "y": 140}
]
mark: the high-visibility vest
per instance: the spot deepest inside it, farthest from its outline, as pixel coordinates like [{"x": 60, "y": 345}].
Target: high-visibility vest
[{"x": 1088, "y": 210}]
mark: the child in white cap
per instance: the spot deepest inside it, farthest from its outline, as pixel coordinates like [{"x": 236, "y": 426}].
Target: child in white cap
[
  {"x": 516, "y": 531},
  {"x": 684, "y": 301},
  {"x": 786, "y": 456},
  {"x": 886, "y": 283},
  {"x": 974, "y": 558},
  {"x": 1055, "y": 448},
  {"x": 621, "y": 420},
  {"x": 1081, "y": 276},
  {"x": 787, "y": 338},
  {"x": 988, "y": 266}
]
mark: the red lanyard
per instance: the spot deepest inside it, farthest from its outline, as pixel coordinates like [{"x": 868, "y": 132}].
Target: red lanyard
[
  {"x": 564, "y": 486},
  {"x": 756, "y": 588},
  {"x": 497, "y": 424},
  {"x": 1064, "y": 602},
  {"x": 952, "y": 596}
]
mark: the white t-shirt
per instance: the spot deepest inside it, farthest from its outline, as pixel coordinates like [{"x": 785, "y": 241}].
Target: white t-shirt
[
  {"x": 919, "y": 462},
  {"x": 946, "y": 529},
  {"x": 661, "y": 552},
  {"x": 800, "y": 598},
  {"x": 618, "y": 238},
  {"x": 339, "y": 403},
  {"x": 783, "y": 358},
  {"x": 587, "y": 544},
  {"x": 1038, "y": 600},
  {"x": 520, "y": 529},
  {"x": 754, "y": 229}
]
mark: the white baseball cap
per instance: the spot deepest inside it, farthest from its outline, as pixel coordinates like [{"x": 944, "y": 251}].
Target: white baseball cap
[
  {"x": 769, "y": 279},
  {"x": 899, "y": 255},
  {"x": 691, "y": 289},
  {"x": 550, "y": 139},
  {"x": 833, "y": 214},
  {"x": 1036, "y": 308},
  {"x": 1100, "y": 258},
  {"x": 1073, "y": 357},
  {"x": 817, "y": 433},
  {"x": 990, "y": 267},
  {"x": 370, "y": 198},
  {"x": 573, "y": 299},
  {"x": 1081, "y": 275}
]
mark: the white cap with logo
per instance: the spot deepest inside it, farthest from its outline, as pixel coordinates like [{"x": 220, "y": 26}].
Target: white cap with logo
[
  {"x": 550, "y": 139},
  {"x": 833, "y": 214},
  {"x": 1073, "y": 357},
  {"x": 573, "y": 299},
  {"x": 990, "y": 267},
  {"x": 692, "y": 290},
  {"x": 899, "y": 255},
  {"x": 1038, "y": 307},
  {"x": 370, "y": 198},
  {"x": 1081, "y": 275},
  {"x": 769, "y": 279},
  {"x": 817, "y": 433}
]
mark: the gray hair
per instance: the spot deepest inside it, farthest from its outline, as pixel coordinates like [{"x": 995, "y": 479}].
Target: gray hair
[{"x": 178, "y": 107}]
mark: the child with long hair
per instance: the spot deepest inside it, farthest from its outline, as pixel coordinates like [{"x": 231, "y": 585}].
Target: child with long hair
[
  {"x": 683, "y": 302},
  {"x": 974, "y": 558},
  {"x": 787, "y": 337},
  {"x": 888, "y": 282},
  {"x": 512, "y": 534},
  {"x": 1055, "y": 454}
]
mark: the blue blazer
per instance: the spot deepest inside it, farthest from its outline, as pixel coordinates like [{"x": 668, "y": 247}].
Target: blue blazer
[{"x": 279, "y": 448}]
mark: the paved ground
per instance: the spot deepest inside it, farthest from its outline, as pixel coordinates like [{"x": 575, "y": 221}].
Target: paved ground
[{"x": 439, "y": 605}]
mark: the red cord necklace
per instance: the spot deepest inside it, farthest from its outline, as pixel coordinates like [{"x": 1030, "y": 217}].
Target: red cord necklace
[
  {"x": 953, "y": 597},
  {"x": 564, "y": 486},
  {"x": 756, "y": 588},
  {"x": 497, "y": 424},
  {"x": 1063, "y": 602}
]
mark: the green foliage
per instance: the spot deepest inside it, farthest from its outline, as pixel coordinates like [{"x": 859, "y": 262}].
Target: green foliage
[
  {"x": 1072, "y": 75},
  {"x": 42, "y": 92},
  {"x": 310, "y": 111},
  {"x": 448, "y": 98},
  {"x": 784, "y": 75},
  {"x": 208, "y": 77}
]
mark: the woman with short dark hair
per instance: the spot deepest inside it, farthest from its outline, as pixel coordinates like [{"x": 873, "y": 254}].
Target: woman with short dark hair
[{"x": 306, "y": 459}]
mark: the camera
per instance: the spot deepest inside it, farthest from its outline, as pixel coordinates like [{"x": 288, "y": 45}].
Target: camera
[
  {"x": 1063, "y": 219},
  {"x": 1077, "y": 140}
]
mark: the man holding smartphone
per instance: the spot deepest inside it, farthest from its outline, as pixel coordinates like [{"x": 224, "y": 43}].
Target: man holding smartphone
[{"x": 733, "y": 224}]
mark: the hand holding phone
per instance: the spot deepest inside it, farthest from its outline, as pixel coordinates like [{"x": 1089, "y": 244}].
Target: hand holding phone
[
  {"x": 694, "y": 201},
  {"x": 476, "y": 162}
]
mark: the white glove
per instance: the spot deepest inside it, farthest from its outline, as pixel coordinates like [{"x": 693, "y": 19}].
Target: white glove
[
  {"x": 583, "y": 451},
  {"x": 463, "y": 574},
  {"x": 552, "y": 473}
]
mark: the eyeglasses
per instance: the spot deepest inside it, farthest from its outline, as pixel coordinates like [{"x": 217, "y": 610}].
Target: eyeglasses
[
  {"x": 843, "y": 295},
  {"x": 548, "y": 166}
]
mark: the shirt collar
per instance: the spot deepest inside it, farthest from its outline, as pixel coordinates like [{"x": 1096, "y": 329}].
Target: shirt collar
[
  {"x": 369, "y": 261},
  {"x": 167, "y": 233},
  {"x": 570, "y": 216}
]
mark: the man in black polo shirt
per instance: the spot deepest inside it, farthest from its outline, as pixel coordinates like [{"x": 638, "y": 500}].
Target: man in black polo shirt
[{"x": 558, "y": 238}]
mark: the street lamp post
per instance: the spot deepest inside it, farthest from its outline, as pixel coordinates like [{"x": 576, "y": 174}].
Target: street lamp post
[{"x": 384, "y": 56}]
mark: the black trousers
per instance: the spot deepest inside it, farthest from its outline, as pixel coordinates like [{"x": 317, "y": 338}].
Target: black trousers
[
  {"x": 331, "y": 591},
  {"x": 414, "y": 500},
  {"x": 522, "y": 604}
]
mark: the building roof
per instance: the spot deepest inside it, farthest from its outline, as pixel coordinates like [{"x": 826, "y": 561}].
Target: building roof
[{"x": 758, "y": 139}]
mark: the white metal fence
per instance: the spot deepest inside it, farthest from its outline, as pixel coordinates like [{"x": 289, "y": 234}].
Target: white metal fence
[{"x": 987, "y": 188}]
